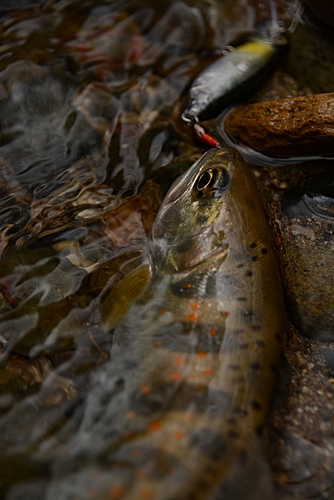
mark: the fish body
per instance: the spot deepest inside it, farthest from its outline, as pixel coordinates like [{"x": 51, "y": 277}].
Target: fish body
[
  {"x": 233, "y": 77},
  {"x": 193, "y": 363}
]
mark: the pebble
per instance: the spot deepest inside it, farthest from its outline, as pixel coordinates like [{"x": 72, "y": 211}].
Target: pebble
[{"x": 285, "y": 127}]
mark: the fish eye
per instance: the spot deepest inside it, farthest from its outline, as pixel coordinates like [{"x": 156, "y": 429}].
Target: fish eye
[
  {"x": 206, "y": 179},
  {"x": 211, "y": 182}
]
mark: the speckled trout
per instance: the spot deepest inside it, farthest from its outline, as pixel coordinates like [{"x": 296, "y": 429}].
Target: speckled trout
[{"x": 177, "y": 412}]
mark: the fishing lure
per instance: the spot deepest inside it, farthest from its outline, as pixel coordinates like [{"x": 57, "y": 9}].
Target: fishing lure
[
  {"x": 232, "y": 77},
  {"x": 238, "y": 74},
  {"x": 177, "y": 411}
]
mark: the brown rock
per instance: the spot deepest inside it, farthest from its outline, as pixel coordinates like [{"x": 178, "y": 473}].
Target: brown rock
[{"x": 296, "y": 126}]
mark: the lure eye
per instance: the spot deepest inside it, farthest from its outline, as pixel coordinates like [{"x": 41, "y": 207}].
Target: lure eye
[{"x": 211, "y": 182}]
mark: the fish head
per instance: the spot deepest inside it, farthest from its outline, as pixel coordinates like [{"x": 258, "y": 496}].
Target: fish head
[{"x": 191, "y": 223}]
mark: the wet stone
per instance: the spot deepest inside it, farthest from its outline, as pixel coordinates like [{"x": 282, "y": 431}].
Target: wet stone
[{"x": 285, "y": 127}]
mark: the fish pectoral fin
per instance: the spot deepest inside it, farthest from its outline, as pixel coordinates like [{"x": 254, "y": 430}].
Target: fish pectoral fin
[{"x": 116, "y": 304}]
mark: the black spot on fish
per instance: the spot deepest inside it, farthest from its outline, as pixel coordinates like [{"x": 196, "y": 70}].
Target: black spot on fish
[
  {"x": 119, "y": 384},
  {"x": 233, "y": 434},
  {"x": 274, "y": 368},
  {"x": 155, "y": 463},
  {"x": 241, "y": 412},
  {"x": 239, "y": 266},
  {"x": 244, "y": 345},
  {"x": 189, "y": 337},
  {"x": 233, "y": 366},
  {"x": 209, "y": 443},
  {"x": 255, "y": 258},
  {"x": 242, "y": 299},
  {"x": 243, "y": 457},
  {"x": 259, "y": 430},
  {"x": 248, "y": 313},
  {"x": 260, "y": 343},
  {"x": 248, "y": 273},
  {"x": 255, "y": 366},
  {"x": 255, "y": 405},
  {"x": 253, "y": 245},
  {"x": 202, "y": 484},
  {"x": 264, "y": 250}
]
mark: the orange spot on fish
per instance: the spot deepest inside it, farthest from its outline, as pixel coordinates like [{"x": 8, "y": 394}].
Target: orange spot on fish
[
  {"x": 175, "y": 376},
  {"x": 158, "y": 343},
  {"x": 189, "y": 416},
  {"x": 140, "y": 474},
  {"x": 130, "y": 414},
  {"x": 179, "y": 361},
  {"x": 146, "y": 494},
  {"x": 115, "y": 492},
  {"x": 201, "y": 353},
  {"x": 178, "y": 435},
  {"x": 187, "y": 285},
  {"x": 213, "y": 332},
  {"x": 161, "y": 311},
  {"x": 207, "y": 371},
  {"x": 144, "y": 388},
  {"x": 224, "y": 313},
  {"x": 194, "y": 306},
  {"x": 191, "y": 317},
  {"x": 154, "y": 426},
  {"x": 136, "y": 453}
]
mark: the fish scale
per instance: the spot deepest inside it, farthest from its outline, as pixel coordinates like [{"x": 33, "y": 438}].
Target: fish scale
[{"x": 174, "y": 413}]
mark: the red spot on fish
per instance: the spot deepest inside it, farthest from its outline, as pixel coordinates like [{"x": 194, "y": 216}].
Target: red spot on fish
[
  {"x": 154, "y": 426},
  {"x": 201, "y": 353},
  {"x": 213, "y": 332},
  {"x": 224, "y": 313},
  {"x": 179, "y": 361},
  {"x": 191, "y": 317},
  {"x": 161, "y": 311},
  {"x": 194, "y": 306},
  {"x": 187, "y": 285},
  {"x": 175, "y": 376},
  {"x": 115, "y": 492},
  {"x": 179, "y": 435},
  {"x": 145, "y": 388}
]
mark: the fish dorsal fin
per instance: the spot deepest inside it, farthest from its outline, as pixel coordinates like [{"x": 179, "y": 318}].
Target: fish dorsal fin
[{"x": 119, "y": 299}]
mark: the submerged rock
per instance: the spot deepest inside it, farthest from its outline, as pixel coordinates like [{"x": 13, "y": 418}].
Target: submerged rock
[{"x": 285, "y": 127}]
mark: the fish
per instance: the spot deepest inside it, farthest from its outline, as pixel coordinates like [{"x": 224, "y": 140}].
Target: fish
[
  {"x": 177, "y": 411},
  {"x": 233, "y": 77}
]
